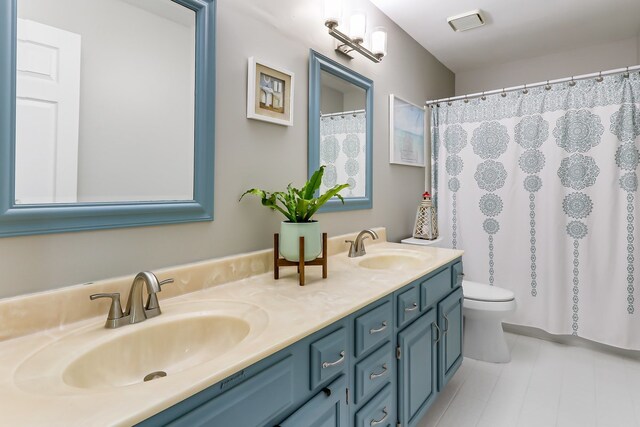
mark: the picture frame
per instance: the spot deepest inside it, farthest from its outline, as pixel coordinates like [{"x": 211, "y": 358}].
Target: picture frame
[
  {"x": 407, "y": 133},
  {"x": 270, "y": 91}
]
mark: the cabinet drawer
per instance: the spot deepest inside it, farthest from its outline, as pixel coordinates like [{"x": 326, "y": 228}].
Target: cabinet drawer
[
  {"x": 328, "y": 357},
  {"x": 267, "y": 394},
  {"x": 378, "y": 411},
  {"x": 434, "y": 288},
  {"x": 373, "y": 328},
  {"x": 408, "y": 306},
  {"x": 373, "y": 372},
  {"x": 457, "y": 274}
]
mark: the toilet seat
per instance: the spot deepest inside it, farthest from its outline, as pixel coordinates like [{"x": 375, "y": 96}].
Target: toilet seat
[{"x": 481, "y": 292}]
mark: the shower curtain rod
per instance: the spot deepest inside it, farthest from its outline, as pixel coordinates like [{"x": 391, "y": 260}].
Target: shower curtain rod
[
  {"x": 547, "y": 83},
  {"x": 342, "y": 113}
]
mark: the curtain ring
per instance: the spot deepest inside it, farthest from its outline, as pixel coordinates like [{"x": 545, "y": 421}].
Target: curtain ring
[
  {"x": 572, "y": 82},
  {"x": 626, "y": 73},
  {"x": 599, "y": 78},
  {"x": 525, "y": 90},
  {"x": 484, "y": 98},
  {"x": 548, "y": 86},
  {"x": 503, "y": 94}
]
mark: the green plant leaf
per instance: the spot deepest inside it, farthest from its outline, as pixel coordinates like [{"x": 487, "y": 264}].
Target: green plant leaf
[
  {"x": 313, "y": 184},
  {"x": 326, "y": 197}
]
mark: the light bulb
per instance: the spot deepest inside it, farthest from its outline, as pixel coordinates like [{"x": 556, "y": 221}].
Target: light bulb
[
  {"x": 357, "y": 27},
  {"x": 379, "y": 41},
  {"x": 332, "y": 11}
]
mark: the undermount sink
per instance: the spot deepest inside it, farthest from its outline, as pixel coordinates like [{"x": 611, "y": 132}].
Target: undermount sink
[
  {"x": 156, "y": 351},
  {"x": 394, "y": 261},
  {"x": 185, "y": 336}
]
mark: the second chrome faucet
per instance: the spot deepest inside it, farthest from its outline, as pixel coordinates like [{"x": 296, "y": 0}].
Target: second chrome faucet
[
  {"x": 135, "y": 312},
  {"x": 357, "y": 247}
]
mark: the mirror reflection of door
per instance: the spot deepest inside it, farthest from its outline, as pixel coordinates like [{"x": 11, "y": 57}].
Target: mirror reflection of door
[
  {"x": 343, "y": 124},
  {"x": 105, "y": 106},
  {"x": 47, "y": 114}
]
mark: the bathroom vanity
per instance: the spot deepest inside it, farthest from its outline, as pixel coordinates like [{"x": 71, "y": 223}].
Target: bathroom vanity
[
  {"x": 371, "y": 345},
  {"x": 383, "y": 365}
]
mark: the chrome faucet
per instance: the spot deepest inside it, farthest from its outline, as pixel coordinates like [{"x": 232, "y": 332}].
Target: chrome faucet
[
  {"x": 357, "y": 246},
  {"x": 135, "y": 312}
]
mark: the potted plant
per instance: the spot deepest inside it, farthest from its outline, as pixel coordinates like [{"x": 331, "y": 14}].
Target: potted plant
[{"x": 299, "y": 206}]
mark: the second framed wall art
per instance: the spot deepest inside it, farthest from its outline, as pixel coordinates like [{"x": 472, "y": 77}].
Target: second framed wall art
[
  {"x": 407, "y": 126},
  {"x": 270, "y": 93}
]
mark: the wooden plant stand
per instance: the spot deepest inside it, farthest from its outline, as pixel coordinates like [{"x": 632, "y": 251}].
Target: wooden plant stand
[{"x": 281, "y": 262}]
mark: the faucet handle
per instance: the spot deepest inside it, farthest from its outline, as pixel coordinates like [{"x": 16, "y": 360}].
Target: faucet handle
[
  {"x": 165, "y": 281},
  {"x": 115, "y": 311},
  {"x": 153, "y": 306}
]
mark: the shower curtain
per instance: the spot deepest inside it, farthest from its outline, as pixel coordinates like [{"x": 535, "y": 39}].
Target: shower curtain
[
  {"x": 540, "y": 189},
  {"x": 342, "y": 151}
]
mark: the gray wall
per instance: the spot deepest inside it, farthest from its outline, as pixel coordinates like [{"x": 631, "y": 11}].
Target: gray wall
[
  {"x": 136, "y": 96},
  {"x": 251, "y": 153},
  {"x": 586, "y": 60}
]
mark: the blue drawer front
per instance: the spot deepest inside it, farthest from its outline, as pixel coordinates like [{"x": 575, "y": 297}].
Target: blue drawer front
[
  {"x": 326, "y": 409},
  {"x": 266, "y": 394},
  {"x": 408, "y": 306},
  {"x": 328, "y": 357},
  {"x": 378, "y": 412},
  {"x": 373, "y": 372},
  {"x": 435, "y": 288},
  {"x": 373, "y": 328}
]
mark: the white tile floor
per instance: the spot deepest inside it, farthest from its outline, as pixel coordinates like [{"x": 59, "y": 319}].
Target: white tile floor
[{"x": 545, "y": 385}]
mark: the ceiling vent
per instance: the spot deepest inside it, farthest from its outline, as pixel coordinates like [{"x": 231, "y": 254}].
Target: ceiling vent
[{"x": 466, "y": 21}]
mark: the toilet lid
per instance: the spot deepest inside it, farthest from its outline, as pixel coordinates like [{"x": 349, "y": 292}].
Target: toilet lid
[{"x": 482, "y": 292}]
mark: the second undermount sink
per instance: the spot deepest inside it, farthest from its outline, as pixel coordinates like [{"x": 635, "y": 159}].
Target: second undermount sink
[
  {"x": 394, "y": 260},
  {"x": 185, "y": 336}
]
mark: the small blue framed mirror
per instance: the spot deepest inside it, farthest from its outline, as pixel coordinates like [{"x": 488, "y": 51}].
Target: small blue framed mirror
[
  {"x": 341, "y": 131},
  {"x": 106, "y": 114}
]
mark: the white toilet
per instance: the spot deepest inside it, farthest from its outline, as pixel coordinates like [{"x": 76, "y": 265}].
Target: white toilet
[{"x": 485, "y": 307}]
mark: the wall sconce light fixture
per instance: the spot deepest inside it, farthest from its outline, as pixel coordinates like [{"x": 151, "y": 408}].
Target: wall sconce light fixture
[{"x": 357, "y": 31}]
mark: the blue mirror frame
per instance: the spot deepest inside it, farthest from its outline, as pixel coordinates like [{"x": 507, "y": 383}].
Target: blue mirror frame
[
  {"x": 318, "y": 63},
  {"x": 16, "y": 220}
]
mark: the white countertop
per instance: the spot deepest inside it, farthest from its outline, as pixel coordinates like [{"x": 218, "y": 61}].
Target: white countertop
[{"x": 292, "y": 313}]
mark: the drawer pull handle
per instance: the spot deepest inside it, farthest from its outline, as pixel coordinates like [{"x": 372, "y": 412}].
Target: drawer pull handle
[
  {"x": 326, "y": 365},
  {"x": 373, "y": 376},
  {"x": 446, "y": 323},
  {"x": 414, "y": 306},
  {"x": 385, "y": 411},
  {"x": 380, "y": 329},
  {"x": 438, "y": 330}
]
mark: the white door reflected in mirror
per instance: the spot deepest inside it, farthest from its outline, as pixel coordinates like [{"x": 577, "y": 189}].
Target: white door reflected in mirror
[{"x": 105, "y": 101}]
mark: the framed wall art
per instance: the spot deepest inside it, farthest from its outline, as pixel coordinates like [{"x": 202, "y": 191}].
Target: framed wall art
[
  {"x": 270, "y": 93},
  {"x": 407, "y": 125}
]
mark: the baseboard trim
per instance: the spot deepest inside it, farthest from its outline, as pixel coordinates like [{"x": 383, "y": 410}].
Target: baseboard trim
[{"x": 569, "y": 340}]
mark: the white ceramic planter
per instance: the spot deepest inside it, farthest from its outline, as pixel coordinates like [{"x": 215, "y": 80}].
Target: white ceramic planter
[{"x": 290, "y": 233}]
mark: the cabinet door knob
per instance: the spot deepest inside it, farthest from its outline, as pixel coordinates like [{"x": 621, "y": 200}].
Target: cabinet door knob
[
  {"x": 326, "y": 365},
  {"x": 380, "y": 329},
  {"x": 385, "y": 411},
  {"x": 438, "y": 330},
  {"x": 414, "y": 306},
  {"x": 373, "y": 376}
]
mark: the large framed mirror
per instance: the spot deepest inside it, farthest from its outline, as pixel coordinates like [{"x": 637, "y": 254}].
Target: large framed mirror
[
  {"x": 341, "y": 131},
  {"x": 106, "y": 114}
]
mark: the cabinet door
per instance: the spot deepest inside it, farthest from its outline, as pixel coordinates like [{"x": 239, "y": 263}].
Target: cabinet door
[
  {"x": 450, "y": 346},
  {"x": 326, "y": 409},
  {"x": 417, "y": 368}
]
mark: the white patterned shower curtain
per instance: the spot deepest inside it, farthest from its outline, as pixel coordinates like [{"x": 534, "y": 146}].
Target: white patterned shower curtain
[
  {"x": 541, "y": 192},
  {"x": 342, "y": 150}
]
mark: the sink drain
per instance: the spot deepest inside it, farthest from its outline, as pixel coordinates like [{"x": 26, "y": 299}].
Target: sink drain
[{"x": 155, "y": 375}]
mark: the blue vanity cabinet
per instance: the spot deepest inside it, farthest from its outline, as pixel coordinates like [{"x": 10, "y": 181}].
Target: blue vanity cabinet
[
  {"x": 383, "y": 365},
  {"x": 328, "y": 408},
  {"x": 450, "y": 345},
  {"x": 417, "y": 368}
]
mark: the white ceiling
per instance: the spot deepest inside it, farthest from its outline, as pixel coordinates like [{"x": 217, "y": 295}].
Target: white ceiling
[{"x": 516, "y": 29}]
